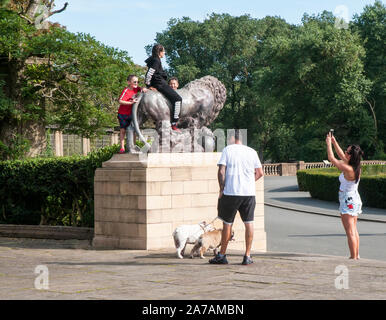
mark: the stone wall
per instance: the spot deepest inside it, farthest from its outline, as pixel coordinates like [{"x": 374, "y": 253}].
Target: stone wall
[
  {"x": 138, "y": 204},
  {"x": 67, "y": 144}
]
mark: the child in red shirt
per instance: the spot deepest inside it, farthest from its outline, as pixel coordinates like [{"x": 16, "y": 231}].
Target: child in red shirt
[{"x": 126, "y": 102}]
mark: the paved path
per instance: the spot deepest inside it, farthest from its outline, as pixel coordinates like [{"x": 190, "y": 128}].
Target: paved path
[
  {"x": 298, "y": 232},
  {"x": 76, "y": 271}
]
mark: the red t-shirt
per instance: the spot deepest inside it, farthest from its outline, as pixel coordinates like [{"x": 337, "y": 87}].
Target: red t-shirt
[{"x": 126, "y": 95}]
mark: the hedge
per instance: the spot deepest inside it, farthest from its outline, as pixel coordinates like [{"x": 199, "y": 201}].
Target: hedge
[
  {"x": 50, "y": 191},
  {"x": 324, "y": 184}
]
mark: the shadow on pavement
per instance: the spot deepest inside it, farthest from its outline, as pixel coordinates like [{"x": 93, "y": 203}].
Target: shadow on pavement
[
  {"x": 283, "y": 255},
  {"x": 27, "y": 243},
  {"x": 126, "y": 263},
  {"x": 284, "y": 189},
  {"x": 153, "y": 260},
  {"x": 306, "y": 201},
  {"x": 334, "y": 235}
]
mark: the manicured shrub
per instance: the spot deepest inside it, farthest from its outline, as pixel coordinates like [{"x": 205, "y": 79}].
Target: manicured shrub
[
  {"x": 52, "y": 191},
  {"x": 324, "y": 184}
]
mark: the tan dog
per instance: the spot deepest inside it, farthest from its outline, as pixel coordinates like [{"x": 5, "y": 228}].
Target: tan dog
[{"x": 208, "y": 241}]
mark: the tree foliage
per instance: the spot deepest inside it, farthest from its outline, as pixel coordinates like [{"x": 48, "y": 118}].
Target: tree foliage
[
  {"x": 226, "y": 47},
  {"x": 288, "y": 85},
  {"x": 317, "y": 75},
  {"x": 51, "y": 191},
  {"x": 371, "y": 27},
  {"x": 50, "y": 76}
]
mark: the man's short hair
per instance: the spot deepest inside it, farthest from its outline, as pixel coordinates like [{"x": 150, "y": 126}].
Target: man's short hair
[
  {"x": 238, "y": 135},
  {"x": 130, "y": 77}
]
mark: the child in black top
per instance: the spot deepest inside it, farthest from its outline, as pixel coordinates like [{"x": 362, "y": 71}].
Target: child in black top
[{"x": 156, "y": 77}]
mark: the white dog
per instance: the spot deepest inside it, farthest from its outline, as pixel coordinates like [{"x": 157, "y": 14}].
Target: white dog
[{"x": 189, "y": 233}]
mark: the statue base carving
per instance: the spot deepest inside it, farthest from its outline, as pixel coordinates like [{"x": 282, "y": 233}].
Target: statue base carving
[{"x": 167, "y": 140}]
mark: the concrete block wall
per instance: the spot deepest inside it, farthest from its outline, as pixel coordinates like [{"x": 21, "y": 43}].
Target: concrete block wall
[{"x": 138, "y": 204}]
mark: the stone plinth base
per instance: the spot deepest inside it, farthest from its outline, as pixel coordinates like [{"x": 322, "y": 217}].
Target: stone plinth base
[{"x": 139, "y": 202}]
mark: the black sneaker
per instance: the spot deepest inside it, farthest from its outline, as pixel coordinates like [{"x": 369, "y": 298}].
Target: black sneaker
[
  {"x": 247, "y": 260},
  {"x": 219, "y": 260}
]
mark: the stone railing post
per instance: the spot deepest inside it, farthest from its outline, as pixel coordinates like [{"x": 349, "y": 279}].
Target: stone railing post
[
  {"x": 301, "y": 165},
  {"x": 58, "y": 143},
  {"x": 288, "y": 169},
  {"x": 86, "y": 147}
]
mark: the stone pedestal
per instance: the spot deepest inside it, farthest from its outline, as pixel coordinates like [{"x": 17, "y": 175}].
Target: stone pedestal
[{"x": 140, "y": 201}]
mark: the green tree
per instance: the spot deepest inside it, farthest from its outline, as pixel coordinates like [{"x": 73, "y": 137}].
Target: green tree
[
  {"x": 288, "y": 85},
  {"x": 50, "y": 76},
  {"x": 317, "y": 74},
  {"x": 371, "y": 26},
  {"x": 226, "y": 47}
]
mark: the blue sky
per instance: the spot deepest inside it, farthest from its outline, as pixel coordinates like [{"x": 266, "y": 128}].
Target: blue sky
[{"x": 131, "y": 25}]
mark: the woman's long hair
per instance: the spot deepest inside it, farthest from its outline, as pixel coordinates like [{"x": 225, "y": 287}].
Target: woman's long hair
[
  {"x": 355, "y": 160},
  {"x": 156, "y": 50}
]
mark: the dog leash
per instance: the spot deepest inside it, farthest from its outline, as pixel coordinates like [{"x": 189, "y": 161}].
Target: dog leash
[{"x": 203, "y": 228}]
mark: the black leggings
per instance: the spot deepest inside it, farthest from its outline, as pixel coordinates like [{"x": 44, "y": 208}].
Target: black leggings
[{"x": 174, "y": 98}]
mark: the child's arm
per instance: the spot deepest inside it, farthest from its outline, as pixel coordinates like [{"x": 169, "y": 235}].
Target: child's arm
[
  {"x": 123, "y": 99},
  {"x": 127, "y": 103}
]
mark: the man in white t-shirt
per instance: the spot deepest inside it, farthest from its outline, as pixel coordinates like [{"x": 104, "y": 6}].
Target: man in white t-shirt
[{"x": 239, "y": 168}]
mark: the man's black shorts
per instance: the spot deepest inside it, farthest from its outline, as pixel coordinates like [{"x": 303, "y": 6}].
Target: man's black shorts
[
  {"x": 228, "y": 206},
  {"x": 124, "y": 120}
]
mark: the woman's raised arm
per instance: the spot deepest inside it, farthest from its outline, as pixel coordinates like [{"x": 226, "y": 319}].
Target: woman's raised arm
[
  {"x": 338, "y": 149},
  {"x": 341, "y": 165}
]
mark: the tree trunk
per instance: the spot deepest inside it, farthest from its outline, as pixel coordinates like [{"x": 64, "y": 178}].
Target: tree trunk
[
  {"x": 12, "y": 130},
  {"x": 32, "y": 8},
  {"x": 35, "y": 132},
  {"x": 18, "y": 126}
]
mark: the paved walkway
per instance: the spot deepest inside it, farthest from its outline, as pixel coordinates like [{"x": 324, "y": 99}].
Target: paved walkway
[{"x": 74, "y": 270}]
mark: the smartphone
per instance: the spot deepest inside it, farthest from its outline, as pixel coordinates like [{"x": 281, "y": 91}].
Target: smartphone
[{"x": 332, "y": 132}]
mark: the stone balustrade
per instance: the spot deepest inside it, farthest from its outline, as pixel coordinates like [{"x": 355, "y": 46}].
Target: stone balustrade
[{"x": 290, "y": 169}]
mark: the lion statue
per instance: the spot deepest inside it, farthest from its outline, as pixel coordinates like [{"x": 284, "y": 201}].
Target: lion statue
[{"x": 202, "y": 101}]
